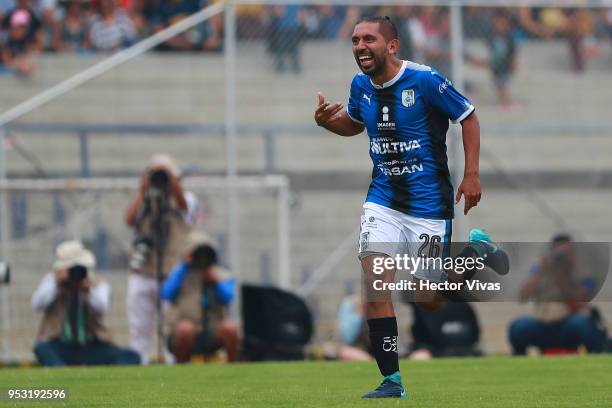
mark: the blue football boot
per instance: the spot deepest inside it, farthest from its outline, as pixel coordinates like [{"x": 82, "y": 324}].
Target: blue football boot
[
  {"x": 391, "y": 387},
  {"x": 493, "y": 255}
]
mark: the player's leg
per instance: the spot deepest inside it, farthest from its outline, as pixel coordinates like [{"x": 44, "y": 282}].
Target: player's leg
[
  {"x": 479, "y": 246},
  {"x": 428, "y": 240},
  {"x": 378, "y": 242},
  {"x": 382, "y": 325}
]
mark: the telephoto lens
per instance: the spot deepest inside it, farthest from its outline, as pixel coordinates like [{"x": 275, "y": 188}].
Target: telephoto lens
[
  {"x": 77, "y": 273},
  {"x": 140, "y": 255},
  {"x": 159, "y": 179},
  {"x": 5, "y": 273}
]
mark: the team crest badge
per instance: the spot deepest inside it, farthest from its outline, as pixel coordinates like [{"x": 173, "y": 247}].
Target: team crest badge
[{"x": 408, "y": 97}]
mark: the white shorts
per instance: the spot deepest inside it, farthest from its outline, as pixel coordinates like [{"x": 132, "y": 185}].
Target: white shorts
[{"x": 390, "y": 232}]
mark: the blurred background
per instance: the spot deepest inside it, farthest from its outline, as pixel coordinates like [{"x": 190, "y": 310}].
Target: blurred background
[{"x": 232, "y": 97}]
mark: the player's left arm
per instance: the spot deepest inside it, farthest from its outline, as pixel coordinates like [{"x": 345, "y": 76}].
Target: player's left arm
[
  {"x": 439, "y": 92},
  {"x": 470, "y": 185}
]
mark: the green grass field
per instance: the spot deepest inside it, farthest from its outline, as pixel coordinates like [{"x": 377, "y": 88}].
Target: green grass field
[{"x": 467, "y": 383}]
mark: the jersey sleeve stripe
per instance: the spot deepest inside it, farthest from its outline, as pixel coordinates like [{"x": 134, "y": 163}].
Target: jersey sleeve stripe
[
  {"x": 353, "y": 119},
  {"x": 465, "y": 114}
]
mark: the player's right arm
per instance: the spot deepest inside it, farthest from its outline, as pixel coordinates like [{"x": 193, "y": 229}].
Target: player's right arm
[{"x": 335, "y": 118}]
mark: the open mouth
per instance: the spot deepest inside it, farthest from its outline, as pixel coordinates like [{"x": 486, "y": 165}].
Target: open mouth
[{"x": 366, "y": 60}]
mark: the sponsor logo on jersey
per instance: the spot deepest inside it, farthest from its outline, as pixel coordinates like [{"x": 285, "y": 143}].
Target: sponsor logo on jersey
[
  {"x": 408, "y": 97},
  {"x": 401, "y": 170},
  {"x": 386, "y": 123},
  {"x": 367, "y": 98},
  {"x": 442, "y": 87},
  {"x": 394, "y": 147}
]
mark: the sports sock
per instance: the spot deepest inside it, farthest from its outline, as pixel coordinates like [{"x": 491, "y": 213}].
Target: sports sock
[{"x": 383, "y": 338}]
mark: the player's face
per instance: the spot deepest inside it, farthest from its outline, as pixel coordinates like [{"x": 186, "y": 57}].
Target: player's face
[{"x": 369, "y": 48}]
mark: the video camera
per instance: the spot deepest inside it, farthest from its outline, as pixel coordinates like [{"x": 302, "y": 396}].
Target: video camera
[{"x": 5, "y": 273}]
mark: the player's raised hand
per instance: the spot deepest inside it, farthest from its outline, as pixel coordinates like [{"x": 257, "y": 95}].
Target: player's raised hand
[
  {"x": 471, "y": 192},
  {"x": 326, "y": 112}
]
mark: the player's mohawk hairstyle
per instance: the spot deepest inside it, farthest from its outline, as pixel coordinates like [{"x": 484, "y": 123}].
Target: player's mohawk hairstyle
[{"x": 386, "y": 27}]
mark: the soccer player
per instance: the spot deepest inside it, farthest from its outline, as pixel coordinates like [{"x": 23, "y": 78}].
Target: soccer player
[{"x": 406, "y": 108}]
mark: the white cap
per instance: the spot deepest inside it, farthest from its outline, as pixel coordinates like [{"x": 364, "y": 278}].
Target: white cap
[
  {"x": 197, "y": 238},
  {"x": 71, "y": 253},
  {"x": 166, "y": 161}
]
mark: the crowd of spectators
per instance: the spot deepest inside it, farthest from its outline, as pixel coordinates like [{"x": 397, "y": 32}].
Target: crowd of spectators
[{"x": 29, "y": 26}]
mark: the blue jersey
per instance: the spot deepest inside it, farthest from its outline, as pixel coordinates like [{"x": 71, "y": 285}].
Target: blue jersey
[{"x": 407, "y": 119}]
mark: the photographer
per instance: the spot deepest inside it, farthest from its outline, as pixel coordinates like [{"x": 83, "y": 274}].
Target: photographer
[
  {"x": 73, "y": 301},
  {"x": 200, "y": 292},
  {"x": 560, "y": 291},
  {"x": 159, "y": 214}
]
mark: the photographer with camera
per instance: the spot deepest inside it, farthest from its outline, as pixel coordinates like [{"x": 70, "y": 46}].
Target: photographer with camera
[
  {"x": 200, "y": 292},
  {"x": 560, "y": 289},
  {"x": 159, "y": 214},
  {"x": 73, "y": 302}
]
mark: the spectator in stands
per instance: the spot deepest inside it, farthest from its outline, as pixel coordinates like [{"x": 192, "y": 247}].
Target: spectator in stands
[
  {"x": 285, "y": 36},
  {"x": 5, "y": 7},
  {"x": 172, "y": 11},
  {"x": 560, "y": 295},
  {"x": 576, "y": 25},
  {"x": 34, "y": 35},
  {"x": 160, "y": 197},
  {"x": 438, "y": 42},
  {"x": 73, "y": 301},
  {"x": 70, "y": 34},
  {"x": 607, "y": 22},
  {"x": 578, "y": 28},
  {"x": 24, "y": 38},
  {"x": 411, "y": 34},
  {"x": 502, "y": 57},
  {"x": 352, "y": 16},
  {"x": 200, "y": 292},
  {"x": 136, "y": 10},
  {"x": 212, "y": 31},
  {"x": 529, "y": 20},
  {"x": 205, "y": 36},
  {"x": 46, "y": 11},
  {"x": 324, "y": 21},
  {"x": 111, "y": 28}
]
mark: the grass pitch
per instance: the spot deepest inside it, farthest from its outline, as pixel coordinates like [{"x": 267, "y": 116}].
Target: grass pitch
[{"x": 581, "y": 381}]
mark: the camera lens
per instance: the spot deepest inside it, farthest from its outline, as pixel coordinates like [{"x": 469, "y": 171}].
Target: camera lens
[
  {"x": 77, "y": 273},
  {"x": 159, "y": 179},
  {"x": 5, "y": 273}
]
